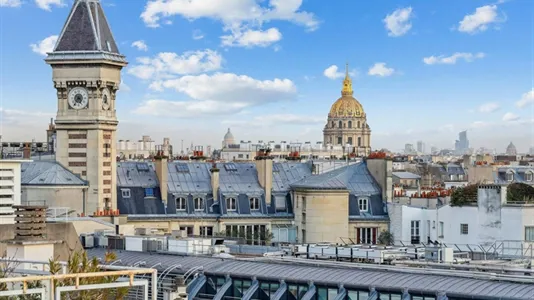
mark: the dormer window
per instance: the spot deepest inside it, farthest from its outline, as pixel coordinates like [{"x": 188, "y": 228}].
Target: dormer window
[
  {"x": 363, "y": 204},
  {"x": 231, "y": 204},
  {"x": 254, "y": 203},
  {"x": 529, "y": 176},
  {"x": 180, "y": 204},
  {"x": 199, "y": 204},
  {"x": 509, "y": 176},
  {"x": 125, "y": 193}
]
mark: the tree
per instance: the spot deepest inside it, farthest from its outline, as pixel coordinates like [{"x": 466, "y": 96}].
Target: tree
[
  {"x": 79, "y": 263},
  {"x": 266, "y": 237},
  {"x": 520, "y": 192},
  {"x": 386, "y": 238},
  {"x": 464, "y": 195}
]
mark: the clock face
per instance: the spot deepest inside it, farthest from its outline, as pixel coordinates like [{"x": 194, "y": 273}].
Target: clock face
[
  {"x": 78, "y": 98},
  {"x": 106, "y": 99}
]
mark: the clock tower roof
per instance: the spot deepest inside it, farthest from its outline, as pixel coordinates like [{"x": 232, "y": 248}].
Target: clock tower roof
[{"x": 86, "y": 31}]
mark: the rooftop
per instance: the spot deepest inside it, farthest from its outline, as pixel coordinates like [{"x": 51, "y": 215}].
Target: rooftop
[
  {"x": 469, "y": 285},
  {"x": 48, "y": 173}
]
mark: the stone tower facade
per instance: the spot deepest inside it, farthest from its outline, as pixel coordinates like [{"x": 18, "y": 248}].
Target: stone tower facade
[
  {"x": 347, "y": 123},
  {"x": 86, "y": 66}
]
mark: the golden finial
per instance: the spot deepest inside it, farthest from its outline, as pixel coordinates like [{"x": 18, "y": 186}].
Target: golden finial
[{"x": 347, "y": 82}]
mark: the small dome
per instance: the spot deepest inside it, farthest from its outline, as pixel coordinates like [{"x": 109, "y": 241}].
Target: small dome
[{"x": 228, "y": 136}]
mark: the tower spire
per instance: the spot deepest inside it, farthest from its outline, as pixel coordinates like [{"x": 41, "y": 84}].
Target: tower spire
[{"x": 347, "y": 83}]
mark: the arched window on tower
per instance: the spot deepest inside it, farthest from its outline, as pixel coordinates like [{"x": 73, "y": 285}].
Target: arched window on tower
[
  {"x": 358, "y": 124},
  {"x": 363, "y": 124},
  {"x": 339, "y": 140},
  {"x": 349, "y": 141},
  {"x": 330, "y": 140},
  {"x": 350, "y": 124},
  {"x": 333, "y": 124},
  {"x": 359, "y": 141},
  {"x": 340, "y": 124}
]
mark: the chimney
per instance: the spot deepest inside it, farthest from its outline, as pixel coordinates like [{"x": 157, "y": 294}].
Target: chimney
[
  {"x": 26, "y": 151},
  {"x": 381, "y": 170},
  {"x": 264, "y": 167},
  {"x": 215, "y": 181},
  {"x": 162, "y": 173}
]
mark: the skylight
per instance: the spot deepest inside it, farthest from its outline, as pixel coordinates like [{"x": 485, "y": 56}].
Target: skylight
[
  {"x": 182, "y": 168},
  {"x": 230, "y": 167},
  {"x": 142, "y": 167}
]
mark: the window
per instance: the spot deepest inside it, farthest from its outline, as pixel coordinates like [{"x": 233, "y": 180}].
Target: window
[
  {"x": 529, "y": 233},
  {"x": 359, "y": 141},
  {"x": 149, "y": 192},
  {"x": 77, "y": 164},
  {"x": 125, "y": 193},
  {"x": 180, "y": 204},
  {"x": 350, "y": 124},
  {"x": 366, "y": 235},
  {"x": 528, "y": 176},
  {"x": 441, "y": 229},
  {"x": 199, "y": 203},
  {"x": 363, "y": 204},
  {"x": 206, "y": 230},
  {"x": 339, "y": 140},
  {"x": 188, "y": 229},
  {"x": 349, "y": 141},
  {"x": 254, "y": 203},
  {"x": 464, "y": 229},
  {"x": 333, "y": 124},
  {"x": 509, "y": 176},
  {"x": 358, "y": 124},
  {"x": 231, "y": 204},
  {"x": 415, "y": 237},
  {"x": 340, "y": 124}
]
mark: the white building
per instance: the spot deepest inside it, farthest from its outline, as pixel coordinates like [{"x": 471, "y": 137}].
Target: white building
[
  {"x": 142, "y": 148},
  {"x": 492, "y": 220},
  {"x": 9, "y": 189}
]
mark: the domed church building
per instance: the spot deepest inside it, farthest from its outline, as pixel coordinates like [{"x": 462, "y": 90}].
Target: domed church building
[{"x": 347, "y": 122}]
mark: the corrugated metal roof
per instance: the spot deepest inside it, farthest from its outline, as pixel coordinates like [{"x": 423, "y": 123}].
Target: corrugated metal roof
[
  {"x": 48, "y": 173},
  {"x": 406, "y": 175},
  {"x": 453, "y": 286},
  {"x": 129, "y": 175}
]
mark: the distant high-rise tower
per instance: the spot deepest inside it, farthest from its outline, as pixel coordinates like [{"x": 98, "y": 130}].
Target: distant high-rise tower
[
  {"x": 408, "y": 149},
  {"x": 420, "y": 147},
  {"x": 461, "y": 146}
]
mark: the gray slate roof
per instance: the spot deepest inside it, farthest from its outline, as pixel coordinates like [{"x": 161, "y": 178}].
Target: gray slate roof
[
  {"x": 238, "y": 178},
  {"x": 453, "y": 286},
  {"x": 287, "y": 173},
  {"x": 193, "y": 178},
  {"x": 354, "y": 178},
  {"x": 130, "y": 175},
  {"x": 86, "y": 29},
  {"x": 520, "y": 174},
  {"x": 48, "y": 173}
]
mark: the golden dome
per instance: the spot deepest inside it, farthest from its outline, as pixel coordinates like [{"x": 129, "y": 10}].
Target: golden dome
[{"x": 347, "y": 106}]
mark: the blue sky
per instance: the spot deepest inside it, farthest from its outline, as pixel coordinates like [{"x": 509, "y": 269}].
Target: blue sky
[{"x": 423, "y": 70}]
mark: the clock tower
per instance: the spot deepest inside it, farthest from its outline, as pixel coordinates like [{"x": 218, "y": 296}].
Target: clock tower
[{"x": 86, "y": 67}]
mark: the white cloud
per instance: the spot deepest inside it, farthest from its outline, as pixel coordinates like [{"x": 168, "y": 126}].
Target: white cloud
[
  {"x": 480, "y": 20},
  {"x": 398, "y": 22},
  {"x": 275, "y": 119},
  {"x": 140, "y": 45},
  {"x": 452, "y": 59},
  {"x": 10, "y": 3},
  {"x": 509, "y": 117},
  {"x": 488, "y": 107},
  {"x": 526, "y": 99},
  {"x": 168, "y": 64},
  {"x": 380, "y": 69},
  {"x": 250, "y": 38},
  {"x": 220, "y": 93},
  {"x": 47, "y": 4},
  {"x": 243, "y": 19},
  {"x": 479, "y": 124},
  {"x": 197, "y": 34},
  {"x": 124, "y": 87},
  {"x": 333, "y": 73},
  {"x": 45, "y": 46}
]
